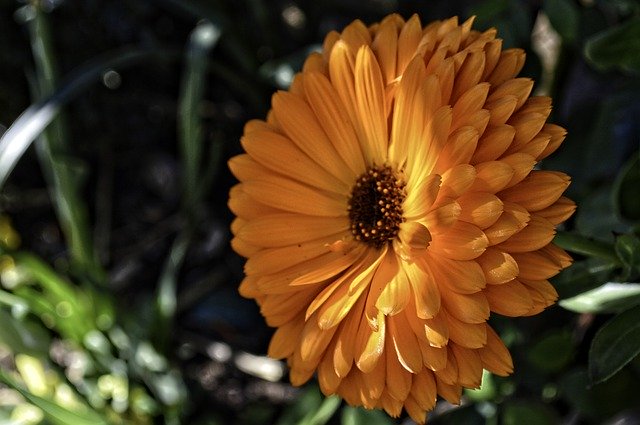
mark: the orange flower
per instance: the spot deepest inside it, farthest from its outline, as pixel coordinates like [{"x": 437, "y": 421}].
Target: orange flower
[{"x": 389, "y": 204}]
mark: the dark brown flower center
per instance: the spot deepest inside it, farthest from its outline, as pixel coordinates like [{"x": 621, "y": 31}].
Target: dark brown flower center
[{"x": 375, "y": 206}]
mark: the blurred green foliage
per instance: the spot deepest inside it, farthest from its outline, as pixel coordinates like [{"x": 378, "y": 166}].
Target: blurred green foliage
[{"x": 117, "y": 297}]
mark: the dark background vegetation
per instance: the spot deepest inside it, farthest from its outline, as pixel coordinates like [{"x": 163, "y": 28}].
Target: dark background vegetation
[{"x": 150, "y": 288}]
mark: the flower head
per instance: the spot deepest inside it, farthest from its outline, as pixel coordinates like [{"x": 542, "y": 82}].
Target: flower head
[{"x": 389, "y": 204}]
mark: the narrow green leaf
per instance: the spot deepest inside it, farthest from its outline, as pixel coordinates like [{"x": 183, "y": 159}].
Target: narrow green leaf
[
  {"x": 32, "y": 122},
  {"x": 615, "y": 344},
  {"x": 203, "y": 38},
  {"x": 612, "y": 297},
  {"x": 166, "y": 298},
  {"x": 584, "y": 276},
  {"x": 625, "y": 189},
  {"x": 616, "y": 47},
  {"x": 54, "y": 413},
  {"x": 586, "y": 246},
  {"x": 564, "y": 17}
]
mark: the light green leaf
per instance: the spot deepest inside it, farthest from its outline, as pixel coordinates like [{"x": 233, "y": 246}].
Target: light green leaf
[
  {"x": 612, "y": 297},
  {"x": 54, "y": 413},
  {"x": 614, "y": 345}
]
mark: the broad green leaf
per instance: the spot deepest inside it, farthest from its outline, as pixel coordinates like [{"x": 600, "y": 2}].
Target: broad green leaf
[
  {"x": 487, "y": 390},
  {"x": 529, "y": 413},
  {"x": 584, "y": 276},
  {"x": 564, "y": 17},
  {"x": 360, "y": 416},
  {"x": 612, "y": 297},
  {"x": 615, "y": 344},
  {"x": 600, "y": 402},
  {"x": 308, "y": 401},
  {"x": 322, "y": 415},
  {"x": 628, "y": 250},
  {"x": 467, "y": 415},
  {"x": 54, "y": 413},
  {"x": 625, "y": 189},
  {"x": 553, "y": 352},
  {"x": 616, "y": 47}
]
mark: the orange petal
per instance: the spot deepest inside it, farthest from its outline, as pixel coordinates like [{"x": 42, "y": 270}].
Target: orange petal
[
  {"x": 332, "y": 115},
  {"x": 369, "y": 343},
  {"x": 414, "y": 239},
  {"x": 498, "y": 266},
  {"x": 424, "y": 391},
  {"x": 513, "y": 219},
  {"x": 481, "y": 209},
  {"x": 560, "y": 211},
  {"x": 509, "y": 299},
  {"x": 463, "y": 241},
  {"x": 538, "y": 233},
  {"x": 468, "y": 308},
  {"x": 458, "y": 150},
  {"x": 385, "y": 45},
  {"x": 268, "y": 261},
  {"x": 287, "y": 195},
  {"x": 369, "y": 91},
  {"x": 437, "y": 329},
  {"x": 492, "y": 176},
  {"x": 398, "y": 378},
  {"x": 425, "y": 290},
  {"x": 495, "y": 356},
  {"x": 538, "y": 190},
  {"x": 493, "y": 143},
  {"x": 301, "y": 125},
  {"x": 469, "y": 335},
  {"x": 405, "y": 343},
  {"x": 536, "y": 265},
  {"x": 464, "y": 277},
  {"x": 278, "y": 230},
  {"x": 469, "y": 366}
]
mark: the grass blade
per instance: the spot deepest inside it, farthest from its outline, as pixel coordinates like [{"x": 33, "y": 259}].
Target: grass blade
[{"x": 203, "y": 38}]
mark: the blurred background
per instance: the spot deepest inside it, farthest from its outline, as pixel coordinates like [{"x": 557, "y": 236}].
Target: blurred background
[{"x": 118, "y": 288}]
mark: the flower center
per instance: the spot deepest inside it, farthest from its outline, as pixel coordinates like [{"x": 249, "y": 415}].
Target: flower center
[{"x": 375, "y": 206}]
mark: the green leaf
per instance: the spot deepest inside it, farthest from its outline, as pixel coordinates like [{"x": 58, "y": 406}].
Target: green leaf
[
  {"x": 23, "y": 336},
  {"x": 616, "y": 47},
  {"x": 56, "y": 414},
  {"x": 628, "y": 250},
  {"x": 584, "y": 276},
  {"x": 615, "y": 344},
  {"x": 625, "y": 189},
  {"x": 529, "y": 413},
  {"x": 612, "y": 297},
  {"x": 32, "y": 122},
  {"x": 585, "y": 246},
  {"x": 203, "y": 38},
  {"x": 564, "y": 17},
  {"x": 322, "y": 415},
  {"x": 360, "y": 416},
  {"x": 553, "y": 352}
]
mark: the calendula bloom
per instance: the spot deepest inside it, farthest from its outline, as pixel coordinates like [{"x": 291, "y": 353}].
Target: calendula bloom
[{"x": 389, "y": 204}]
